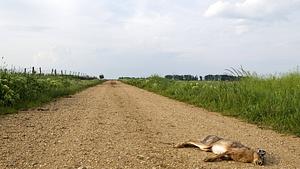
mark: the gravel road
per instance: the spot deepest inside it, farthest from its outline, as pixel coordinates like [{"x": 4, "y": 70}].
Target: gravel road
[{"x": 120, "y": 126}]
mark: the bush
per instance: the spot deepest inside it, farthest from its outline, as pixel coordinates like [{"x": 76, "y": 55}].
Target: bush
[{"x": 23, "y": 91}]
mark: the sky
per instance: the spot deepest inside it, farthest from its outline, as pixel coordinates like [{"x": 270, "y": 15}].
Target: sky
[{"x": 146, "y": 37}]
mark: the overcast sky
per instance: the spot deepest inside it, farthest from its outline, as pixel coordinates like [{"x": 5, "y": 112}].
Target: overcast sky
[{"x": 145, "y": 37}]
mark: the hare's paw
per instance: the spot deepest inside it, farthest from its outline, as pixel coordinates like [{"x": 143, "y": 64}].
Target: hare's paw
[{"x": 208, "y": 159}]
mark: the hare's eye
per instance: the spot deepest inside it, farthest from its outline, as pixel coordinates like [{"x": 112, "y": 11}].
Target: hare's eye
[{"x": 261, "y": 152}]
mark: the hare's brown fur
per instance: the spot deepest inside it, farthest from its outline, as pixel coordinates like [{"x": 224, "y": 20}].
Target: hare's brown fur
[{"x": 226, "y": 150}]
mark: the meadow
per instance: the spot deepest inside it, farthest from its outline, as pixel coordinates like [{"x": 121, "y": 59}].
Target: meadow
[
  {"x": 22, "y": 91},
  {"x": 270, "y": 102}
]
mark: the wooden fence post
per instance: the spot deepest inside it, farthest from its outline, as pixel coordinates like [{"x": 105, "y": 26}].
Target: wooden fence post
[{"x": 33, "y": 71}]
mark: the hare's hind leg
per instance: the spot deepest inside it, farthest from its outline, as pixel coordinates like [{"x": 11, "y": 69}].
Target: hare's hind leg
[
  {"x": 218, "y": 157},
  {"x": 193, "y": 144},
  {"x": 204, "y": 144}
]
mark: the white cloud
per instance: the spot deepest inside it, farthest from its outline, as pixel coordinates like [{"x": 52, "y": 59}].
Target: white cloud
[
  {"x": 143, "y": 37},
  {"x": 240, "y": 29},
  {"x": 253, "y": 9},
  {"x": 42, "y": 57},
  {"x": 248, "y": 15},
  {"x": 51, "y": 56}
]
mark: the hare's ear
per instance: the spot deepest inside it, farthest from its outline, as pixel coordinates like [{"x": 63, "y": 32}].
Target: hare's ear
[{"x": 261, "y": 152}]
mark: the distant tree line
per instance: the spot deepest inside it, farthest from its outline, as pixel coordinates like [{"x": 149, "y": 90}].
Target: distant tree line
[
  {"x": 120, "y": 78},
  {"x": 221, "y": 78},
  {"x": 196, "y": 78},
  {"x": 183, "y": 77},
  {"x": 207, "y": 77}
]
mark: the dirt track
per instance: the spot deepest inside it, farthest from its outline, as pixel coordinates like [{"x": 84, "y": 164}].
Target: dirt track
[{"x": 120, "y": 126}]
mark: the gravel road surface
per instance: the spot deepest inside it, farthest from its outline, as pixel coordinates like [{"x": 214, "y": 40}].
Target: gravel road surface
[{"x": 120, "y": 126}]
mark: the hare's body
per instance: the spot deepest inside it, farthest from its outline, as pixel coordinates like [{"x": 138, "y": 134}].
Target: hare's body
[{"x": 226, "y": 149}]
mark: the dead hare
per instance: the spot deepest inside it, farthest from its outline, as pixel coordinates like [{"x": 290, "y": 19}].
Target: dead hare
[{"x": 226, "y": 150}]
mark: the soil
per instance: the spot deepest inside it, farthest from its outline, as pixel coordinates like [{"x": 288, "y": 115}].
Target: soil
[{"x": 115, "y": 125}]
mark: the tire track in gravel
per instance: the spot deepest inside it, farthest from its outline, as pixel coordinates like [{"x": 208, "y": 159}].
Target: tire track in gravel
[{"x": 120, "y": 126}]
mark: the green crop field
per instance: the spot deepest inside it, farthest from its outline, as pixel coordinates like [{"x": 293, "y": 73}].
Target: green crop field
[
  {"x": 23, "y": 91},
  {"x": 272, "y": 102}
]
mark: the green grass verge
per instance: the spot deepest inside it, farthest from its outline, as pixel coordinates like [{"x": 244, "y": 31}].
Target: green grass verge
[
  {"x": 272, "y": 102},
  {"x": 19, "y": 91}
]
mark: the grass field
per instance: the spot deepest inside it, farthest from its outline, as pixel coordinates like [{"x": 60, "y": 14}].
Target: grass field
[
  {"x": 23, "y": 91},
  {"x": 272, "y": 102}
]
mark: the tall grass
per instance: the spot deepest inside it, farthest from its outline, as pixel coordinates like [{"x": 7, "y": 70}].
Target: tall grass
[
  {"x": 272, "y": 102},
  {"x": 23, "y": 91}
]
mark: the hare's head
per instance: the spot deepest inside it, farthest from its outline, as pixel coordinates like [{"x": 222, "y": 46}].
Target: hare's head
[{"x": 259, "y": 157}]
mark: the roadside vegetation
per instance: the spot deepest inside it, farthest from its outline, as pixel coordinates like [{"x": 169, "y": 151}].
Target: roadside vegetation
[
  {"x": 272, "y": 102},
  {"x": 23, "y": 91}
]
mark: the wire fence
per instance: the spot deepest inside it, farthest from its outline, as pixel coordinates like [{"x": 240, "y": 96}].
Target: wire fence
[{"x": 45, "y": 72}]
